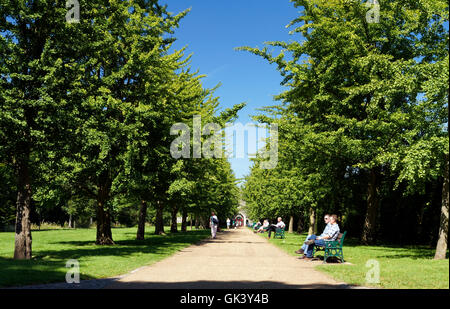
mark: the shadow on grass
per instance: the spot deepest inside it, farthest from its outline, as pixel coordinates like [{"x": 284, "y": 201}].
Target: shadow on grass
[
  {"x": 150, "y": 239},
  {"x": 411, "y": 253},
  {"x": 20, "y": 272},
  {"x": 154, "y": 244},
  {"x": 48, "y": 266},
  {"x": 390, "y": 251},
  {"x": 46, "y": 230}
]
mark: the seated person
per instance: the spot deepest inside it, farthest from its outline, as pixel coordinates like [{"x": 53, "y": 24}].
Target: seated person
[
  {"x": 256, "y": 226},
  {"x": 263, "y": 227},
  {"x": 302, "y": 250},
  {"x": 332, "y": 234},
  {"x": 273, "y": 227}
]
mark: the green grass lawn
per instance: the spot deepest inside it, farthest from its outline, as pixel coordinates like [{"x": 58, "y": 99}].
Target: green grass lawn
[
  {"x": 52, "y": 248},
  {"x": 400, "y": 267}
]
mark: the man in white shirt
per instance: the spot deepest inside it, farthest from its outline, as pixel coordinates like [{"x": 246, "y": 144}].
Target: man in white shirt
[
  {"x": 332, "y": 234},
  {"x": 273, "y": 227},
  {"x": 303, "y": 249}
]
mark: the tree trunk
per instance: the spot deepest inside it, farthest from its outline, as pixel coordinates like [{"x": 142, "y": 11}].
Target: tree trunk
[
  {"x": 203, "y": 223},
  {"x": 23, "y": 240},
  {"x": 70, "y": 221},
  {"x": 174, "y": 224},
  {"x": 372, "y": 208},
  {"x": 191, "y": 221},
  {"x": 104, "y": 234},
  {"x": 184, "y": 221},
  {"x": 315, "y": 223},
  {"x": 141, "y": 223},
  {"x": 197, "y": 222},
  {"x": 312, "y": 221},
  {"x": 300, "y": 225},
  {"x": 441, "y": 247},
  {"x": 291, "y": 225},
  {"x": 159, "y": 221}
]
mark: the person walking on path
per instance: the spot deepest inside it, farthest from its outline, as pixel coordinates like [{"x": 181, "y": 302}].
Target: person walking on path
[
  {"x": 228, "y": 223},
  {"x": 213, "y": 223}
]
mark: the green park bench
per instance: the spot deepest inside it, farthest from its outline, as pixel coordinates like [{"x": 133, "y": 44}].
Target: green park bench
[
  {"x": 332, "y": 248},
  {"x": 279, "y": 233}
]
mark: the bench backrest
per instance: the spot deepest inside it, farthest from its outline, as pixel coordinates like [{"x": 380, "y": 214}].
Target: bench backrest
[{"x": 341, "y": 238}]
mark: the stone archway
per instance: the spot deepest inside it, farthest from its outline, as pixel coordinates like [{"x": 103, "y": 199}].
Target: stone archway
[
  {"x": 242, "y": 212},
  {"x": 240, "y": 220}
]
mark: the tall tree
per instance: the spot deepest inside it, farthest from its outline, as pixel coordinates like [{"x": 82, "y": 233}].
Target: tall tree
[
  {"x": 357, "y": 84},
  {"x": 34, "y": 77},
  {"x": 126, "y": 65}
]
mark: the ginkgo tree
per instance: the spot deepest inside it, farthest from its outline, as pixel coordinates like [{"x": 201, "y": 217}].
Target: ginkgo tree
[
  {"x": 358, "y": 87},
  {"x": 36, "y": 71}
]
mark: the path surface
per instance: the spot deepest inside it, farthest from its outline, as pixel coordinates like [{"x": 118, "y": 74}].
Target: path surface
[{"x": 235, "y": 259}]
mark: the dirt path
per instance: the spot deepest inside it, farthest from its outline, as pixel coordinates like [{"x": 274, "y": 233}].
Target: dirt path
[{"x": 236, "y": 259}]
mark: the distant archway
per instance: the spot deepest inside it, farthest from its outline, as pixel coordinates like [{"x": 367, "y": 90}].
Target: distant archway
[
  {"x": 239, "y": 220},
  {"x": 243, "y": 213}
]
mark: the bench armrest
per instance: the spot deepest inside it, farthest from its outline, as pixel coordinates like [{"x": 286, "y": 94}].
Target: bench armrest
[{"x": 332, "y": 243}]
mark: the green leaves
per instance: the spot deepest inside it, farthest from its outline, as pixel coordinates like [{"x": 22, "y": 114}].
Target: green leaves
[
  {"x": 94, "y": 101},
  {"x": 361, "y": 96}
]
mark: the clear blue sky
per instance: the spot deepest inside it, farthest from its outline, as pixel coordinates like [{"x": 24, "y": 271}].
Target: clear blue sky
[{"x": 213, "y": 29}]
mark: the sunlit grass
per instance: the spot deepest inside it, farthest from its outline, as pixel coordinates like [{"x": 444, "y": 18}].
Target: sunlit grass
[
  {"x": 400, "y": 267},
  {"x": 53, "y": 248}
]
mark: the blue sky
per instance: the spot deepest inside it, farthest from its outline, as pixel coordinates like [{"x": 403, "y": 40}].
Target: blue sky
[{"x": 213, "y": 29}]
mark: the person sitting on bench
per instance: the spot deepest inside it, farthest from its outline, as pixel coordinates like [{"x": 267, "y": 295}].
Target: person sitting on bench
[
  {"x": 263, "y": 227},
  {"x": 332, "y": 234},
  {"x": 303, "y": 248},
  {"x": 256, "y": 226},
  {"x": 273, "y": 227}
]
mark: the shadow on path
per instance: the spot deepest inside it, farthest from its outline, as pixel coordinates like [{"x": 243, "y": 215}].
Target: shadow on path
[{"x": 221, "y": 285}]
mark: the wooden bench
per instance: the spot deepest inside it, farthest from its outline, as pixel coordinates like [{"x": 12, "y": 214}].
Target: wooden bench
[
  {"x": 279, "y": 233},
  {"x": 332, "y": 248}
]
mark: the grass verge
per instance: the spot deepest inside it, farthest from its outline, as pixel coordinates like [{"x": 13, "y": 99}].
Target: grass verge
[
  {"x": 408, "y": 267},
  {"x": 53, "y": 248}
]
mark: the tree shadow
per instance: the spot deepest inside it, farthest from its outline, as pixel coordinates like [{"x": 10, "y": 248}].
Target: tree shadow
[
  {"x": 20, "y": 272},
  {"x": 410, "y": 254},
  {"x": 330, "y": 260},
  {"x": 382, "y": 250},
  {"x": 155, "y": 244},
  {"x": 222, "y": 285},
  {"x": 150, "y": 238},
  {"x": 48, "y": 265},
  {"x": 115, "y": 284}
]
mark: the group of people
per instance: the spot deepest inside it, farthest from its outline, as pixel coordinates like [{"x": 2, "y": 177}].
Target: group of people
[
  {"x": 258, "y": 228},
  {"x": 214, "y": 223},
  {"x": 232, "y": 223},
  {"x": 331, "y": 232}
]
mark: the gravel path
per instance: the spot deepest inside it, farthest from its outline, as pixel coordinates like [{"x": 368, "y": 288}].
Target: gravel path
[{"x": 235, "y": 259}]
